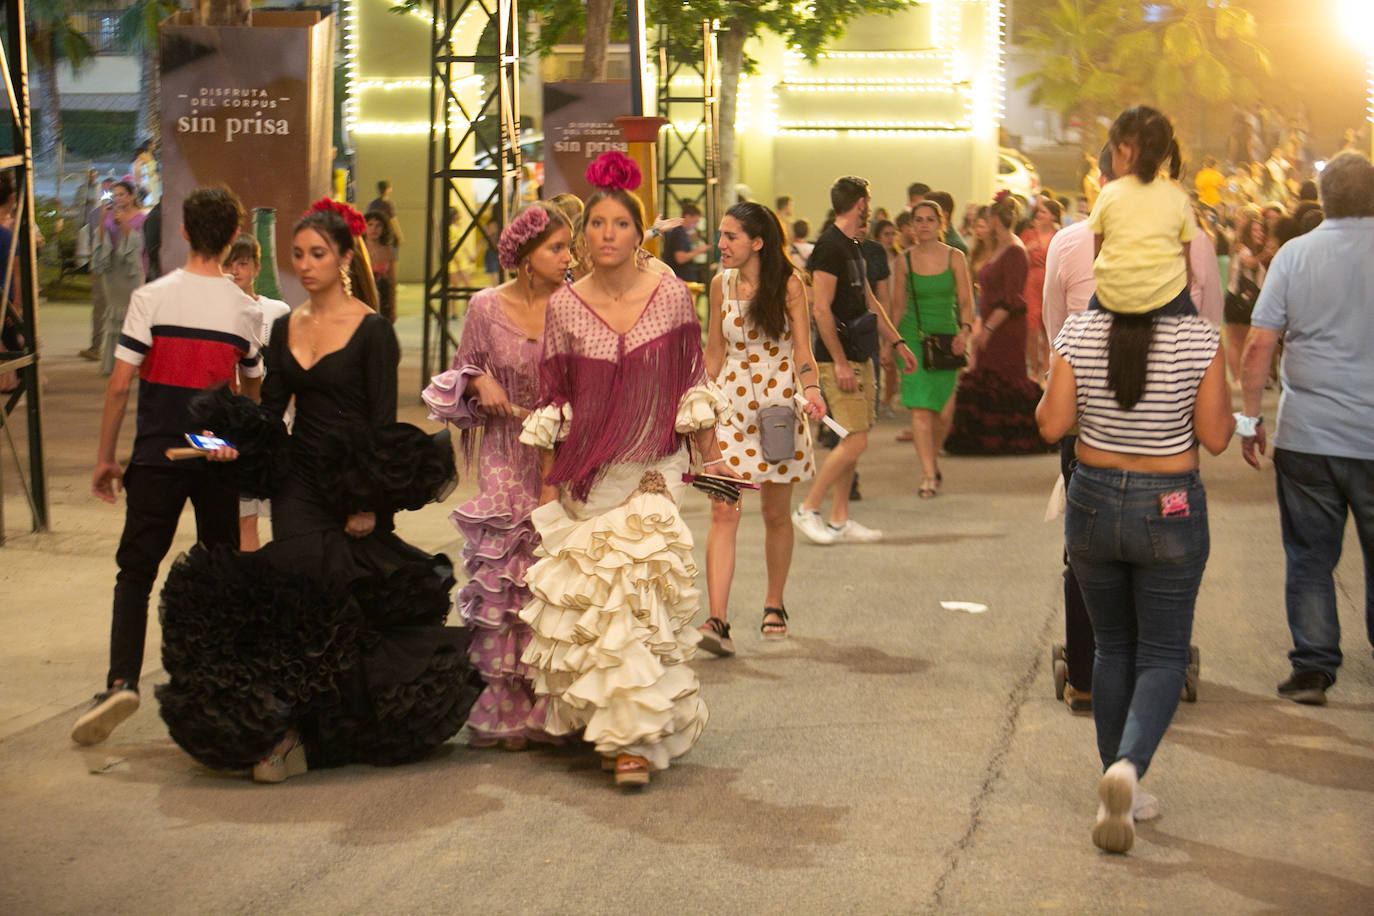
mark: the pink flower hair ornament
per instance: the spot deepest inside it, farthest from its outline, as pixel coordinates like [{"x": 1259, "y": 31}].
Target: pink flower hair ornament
[
  {"x": 1000, "y": 196},
  {"x": 357, "y": 226},
  {"x": 529, "y": 224},
  {"x": 614, "y": 171}
]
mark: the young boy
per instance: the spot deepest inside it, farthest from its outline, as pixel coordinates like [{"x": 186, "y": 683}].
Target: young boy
[
  {"x": 242, "y": 264},
  {"x": 188, "y": 330}
]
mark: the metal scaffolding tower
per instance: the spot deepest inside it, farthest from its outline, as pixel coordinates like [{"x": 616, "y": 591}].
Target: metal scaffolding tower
[
  {"x": 689, "y": 150},
  {"x": 18, "y": 290},
  {"x": 474, "y": 159}
]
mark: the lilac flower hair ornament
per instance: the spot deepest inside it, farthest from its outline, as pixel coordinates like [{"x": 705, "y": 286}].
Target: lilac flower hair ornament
[{"x": 530, "y": 224}]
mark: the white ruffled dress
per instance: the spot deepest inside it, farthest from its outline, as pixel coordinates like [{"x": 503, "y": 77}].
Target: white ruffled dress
[{"x": 614, "y": 598}]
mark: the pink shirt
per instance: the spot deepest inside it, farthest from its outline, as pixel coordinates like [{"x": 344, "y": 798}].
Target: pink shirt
[{"x": 1069, "y": 277}]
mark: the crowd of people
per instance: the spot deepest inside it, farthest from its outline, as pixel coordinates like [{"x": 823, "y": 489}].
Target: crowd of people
[{"x": 585, "y": 402}]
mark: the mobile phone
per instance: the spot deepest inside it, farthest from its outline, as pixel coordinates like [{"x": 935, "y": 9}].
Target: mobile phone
[{"x": 206, "y": 443}]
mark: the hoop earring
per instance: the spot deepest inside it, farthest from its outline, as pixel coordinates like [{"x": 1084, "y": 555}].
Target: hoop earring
[{"x": 346, "y": 280}]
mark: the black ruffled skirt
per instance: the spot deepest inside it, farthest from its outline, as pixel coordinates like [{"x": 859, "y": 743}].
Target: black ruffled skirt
[{"x": 341, "y": 639}]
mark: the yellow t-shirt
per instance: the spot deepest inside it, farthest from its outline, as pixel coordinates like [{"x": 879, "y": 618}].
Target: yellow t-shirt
[
  {"x": 1208, "y": 183},
  {"x": 1144, "y": 226}
]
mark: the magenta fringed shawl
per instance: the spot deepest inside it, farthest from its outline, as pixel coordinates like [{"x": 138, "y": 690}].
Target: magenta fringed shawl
[{"x": 624, "y": 388}]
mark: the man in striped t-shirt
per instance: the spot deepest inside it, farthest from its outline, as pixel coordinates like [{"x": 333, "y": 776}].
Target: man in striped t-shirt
[{"x": 188, "y": 330}]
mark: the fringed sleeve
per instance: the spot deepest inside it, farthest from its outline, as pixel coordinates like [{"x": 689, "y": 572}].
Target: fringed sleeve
[{"x": 702, "y": 407}]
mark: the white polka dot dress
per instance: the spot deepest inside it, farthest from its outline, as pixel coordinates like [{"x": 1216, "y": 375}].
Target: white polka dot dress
[{"x": 758, "y": 372}]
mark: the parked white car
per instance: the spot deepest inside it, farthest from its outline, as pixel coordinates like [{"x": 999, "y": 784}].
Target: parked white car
[{"x": 1016, "y": 174}]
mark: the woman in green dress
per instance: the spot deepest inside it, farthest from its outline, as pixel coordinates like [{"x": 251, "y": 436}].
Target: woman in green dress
[{"x": 938, "y": 300}]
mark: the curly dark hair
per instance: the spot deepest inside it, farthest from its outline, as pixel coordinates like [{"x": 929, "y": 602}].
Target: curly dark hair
[{"x": 211, "y": 217}]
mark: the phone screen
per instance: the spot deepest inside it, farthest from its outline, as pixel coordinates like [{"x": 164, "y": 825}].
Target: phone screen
[{"x": 206, "y": 443}]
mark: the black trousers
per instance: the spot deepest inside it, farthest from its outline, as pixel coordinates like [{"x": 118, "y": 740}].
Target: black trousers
[
  {"x": 1079, "y": 644},
  {"x": 155, "y": 497}
]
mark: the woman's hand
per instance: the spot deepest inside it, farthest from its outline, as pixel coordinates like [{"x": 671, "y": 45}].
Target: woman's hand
[
  {"x": 815, "y": 404},
  {"x": 360, "y": 524},
  {"x": 885, "y": 355},
  {"x": 960, "y": 345},
  {"x": 492, "y": 397},
  {"x": 721, "y": 468}
]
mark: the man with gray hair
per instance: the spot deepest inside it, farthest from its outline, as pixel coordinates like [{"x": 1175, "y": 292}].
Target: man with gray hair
[{"x": 1319, "y": 295}]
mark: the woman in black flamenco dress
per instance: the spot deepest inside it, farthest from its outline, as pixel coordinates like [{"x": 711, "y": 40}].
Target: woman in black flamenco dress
[{"x": 328, "y": 645}]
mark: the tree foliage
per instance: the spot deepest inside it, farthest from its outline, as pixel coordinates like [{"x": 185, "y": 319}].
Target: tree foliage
[{"x": 1094, "y": 58}]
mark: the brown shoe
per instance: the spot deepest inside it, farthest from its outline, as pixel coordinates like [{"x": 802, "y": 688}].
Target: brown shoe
[
  {"x": 1080, "y": 702},
  {"x": 90, "y": 353},
  {"x": 631, "y": 770}
]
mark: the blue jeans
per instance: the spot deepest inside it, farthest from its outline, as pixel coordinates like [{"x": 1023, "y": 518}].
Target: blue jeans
[
  {"x": 1139, "y": 572},
  {"x": 1315, "y": 494}
]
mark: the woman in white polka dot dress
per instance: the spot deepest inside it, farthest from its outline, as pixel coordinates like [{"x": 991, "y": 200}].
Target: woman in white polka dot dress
[{"x": 759, "y": 352}]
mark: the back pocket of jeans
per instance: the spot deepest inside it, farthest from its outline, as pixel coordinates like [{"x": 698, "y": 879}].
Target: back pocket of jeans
[
  {"x": 1078, "y": 526},
  {"x": 1179, "y": 539}
]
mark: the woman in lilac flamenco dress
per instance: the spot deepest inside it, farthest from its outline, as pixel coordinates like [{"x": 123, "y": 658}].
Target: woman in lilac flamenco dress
[{"x": 493, "y": 383}]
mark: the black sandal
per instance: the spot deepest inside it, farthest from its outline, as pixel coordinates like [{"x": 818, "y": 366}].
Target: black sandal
[
  {"x": 715, "y": 637},
  {"x": 774, "y": 629}
]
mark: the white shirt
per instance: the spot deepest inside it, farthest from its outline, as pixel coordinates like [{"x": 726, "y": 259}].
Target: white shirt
[{"x": 1069, "y": 277}]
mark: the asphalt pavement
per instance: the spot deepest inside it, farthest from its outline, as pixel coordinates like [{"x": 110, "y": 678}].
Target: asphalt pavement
[{"x": 890, "y": 756}]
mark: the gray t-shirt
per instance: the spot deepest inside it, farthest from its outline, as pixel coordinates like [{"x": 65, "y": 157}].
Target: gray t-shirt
[{"x": 1319, "y": 293}]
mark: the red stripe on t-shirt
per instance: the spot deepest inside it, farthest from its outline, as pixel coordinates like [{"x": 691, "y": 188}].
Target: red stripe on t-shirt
[{"x": 188, "y": 363}]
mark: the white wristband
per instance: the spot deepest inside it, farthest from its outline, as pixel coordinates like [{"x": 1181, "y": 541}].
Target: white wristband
[{"x": 1246, "y": 426}]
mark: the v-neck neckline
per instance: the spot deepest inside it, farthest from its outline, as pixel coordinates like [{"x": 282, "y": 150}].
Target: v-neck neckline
[
  {"x": 320, "y": 359},
  {"x": 638, "y": 318}
]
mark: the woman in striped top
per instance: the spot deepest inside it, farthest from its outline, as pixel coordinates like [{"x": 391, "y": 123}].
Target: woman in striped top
[{"x": 1145, "y": 381}]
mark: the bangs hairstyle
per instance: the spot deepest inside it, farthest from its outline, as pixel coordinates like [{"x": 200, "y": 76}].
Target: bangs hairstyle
[
  {"x": 377, "y": 216},
  {"x": 622, "y": 197},
  {"x": 932, "y": 206},
  {"x": 768, "y": 308},
  {"x": 245, "y": 247},
  {"x": 332, "y": 228}
]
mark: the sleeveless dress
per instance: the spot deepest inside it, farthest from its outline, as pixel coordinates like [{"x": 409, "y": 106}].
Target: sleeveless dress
[
  {"x": 1035, "y": 280},
  {"x": 936, "y": 298},
  {"x": 342, "y": 638},
  {"x": 757, "y": 373},
  {"x": 499, "y": 539}
]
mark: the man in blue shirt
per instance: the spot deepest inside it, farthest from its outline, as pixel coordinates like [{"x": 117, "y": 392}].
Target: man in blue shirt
[{"x": 1319, "y": 296}]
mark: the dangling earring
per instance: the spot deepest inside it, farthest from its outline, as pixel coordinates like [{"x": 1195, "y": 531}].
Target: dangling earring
[
  {"x": 346, "y": 280},
  {"x": 529, "y": 275}
]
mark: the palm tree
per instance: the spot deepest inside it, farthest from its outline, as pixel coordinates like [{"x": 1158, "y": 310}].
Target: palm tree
[
  {"x": 52, "y": 38},
  {"x": 137, "y": 30}
]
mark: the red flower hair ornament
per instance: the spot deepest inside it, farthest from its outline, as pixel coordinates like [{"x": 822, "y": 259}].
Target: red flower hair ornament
[
  {"x": 1000, "y": 196},
  {"x": 613, "y": 171},
  {"x": 357, "y": 226}
]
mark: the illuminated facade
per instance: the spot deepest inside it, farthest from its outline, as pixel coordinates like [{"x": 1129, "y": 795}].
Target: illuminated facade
[{"x": 913, "y": 97}]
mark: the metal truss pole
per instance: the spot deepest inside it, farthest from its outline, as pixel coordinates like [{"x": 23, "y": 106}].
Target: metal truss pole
[
  {"x": 18, "y": 290},
  {"x": 689, "y": 150},
  {"x": 474, "y": 160}
]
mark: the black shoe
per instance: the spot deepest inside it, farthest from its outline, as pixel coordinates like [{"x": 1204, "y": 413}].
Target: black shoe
[
  {"x": 109, "y": 709},
  {"x": 1307, "y": 687}
]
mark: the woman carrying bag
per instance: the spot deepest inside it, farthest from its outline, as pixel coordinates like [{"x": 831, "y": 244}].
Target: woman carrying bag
[
  {"x": 759, "y": 352},
  {"x": 935, "y": 315}
]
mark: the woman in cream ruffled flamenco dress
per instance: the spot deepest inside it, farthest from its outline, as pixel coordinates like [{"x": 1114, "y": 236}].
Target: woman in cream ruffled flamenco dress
[{"x": 622, "y": 392}]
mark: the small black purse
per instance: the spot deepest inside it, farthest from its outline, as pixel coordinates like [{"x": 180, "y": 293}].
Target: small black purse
[{"x": 937, "y": 350}]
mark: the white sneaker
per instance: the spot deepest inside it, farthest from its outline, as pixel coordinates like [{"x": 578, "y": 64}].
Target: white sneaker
[
  {"x": 851, "y": 532},
  {"x": 107, "y": 711},
  {"x": 1146, "y": 806},
  {"x": 812, "y": 526},
  {"x": 1115, "y": 828}
]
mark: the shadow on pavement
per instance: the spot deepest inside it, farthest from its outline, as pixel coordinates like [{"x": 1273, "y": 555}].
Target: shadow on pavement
[
  {"x": 853, "y": 659},
  {"x": 1275, "y": 736},
  {"x": 1279, "y": 886}
]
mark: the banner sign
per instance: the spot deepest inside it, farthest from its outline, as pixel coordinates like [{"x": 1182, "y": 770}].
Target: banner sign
[
  {"x": 248, "y": 107},
  {"x": 579, "y": 125}
]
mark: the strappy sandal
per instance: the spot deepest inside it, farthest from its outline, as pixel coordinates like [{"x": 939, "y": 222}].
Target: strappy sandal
[
  {"x": 715, "y": 637},
  {"x": 286, "y": 760},
  {"x": 927, "y": 490},
  {"x": 631, "y": 770},
  {"x": 774, "y": 629}
]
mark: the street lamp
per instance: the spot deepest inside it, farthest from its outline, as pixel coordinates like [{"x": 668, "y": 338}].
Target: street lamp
[{"x": 1356, "y": 19}]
